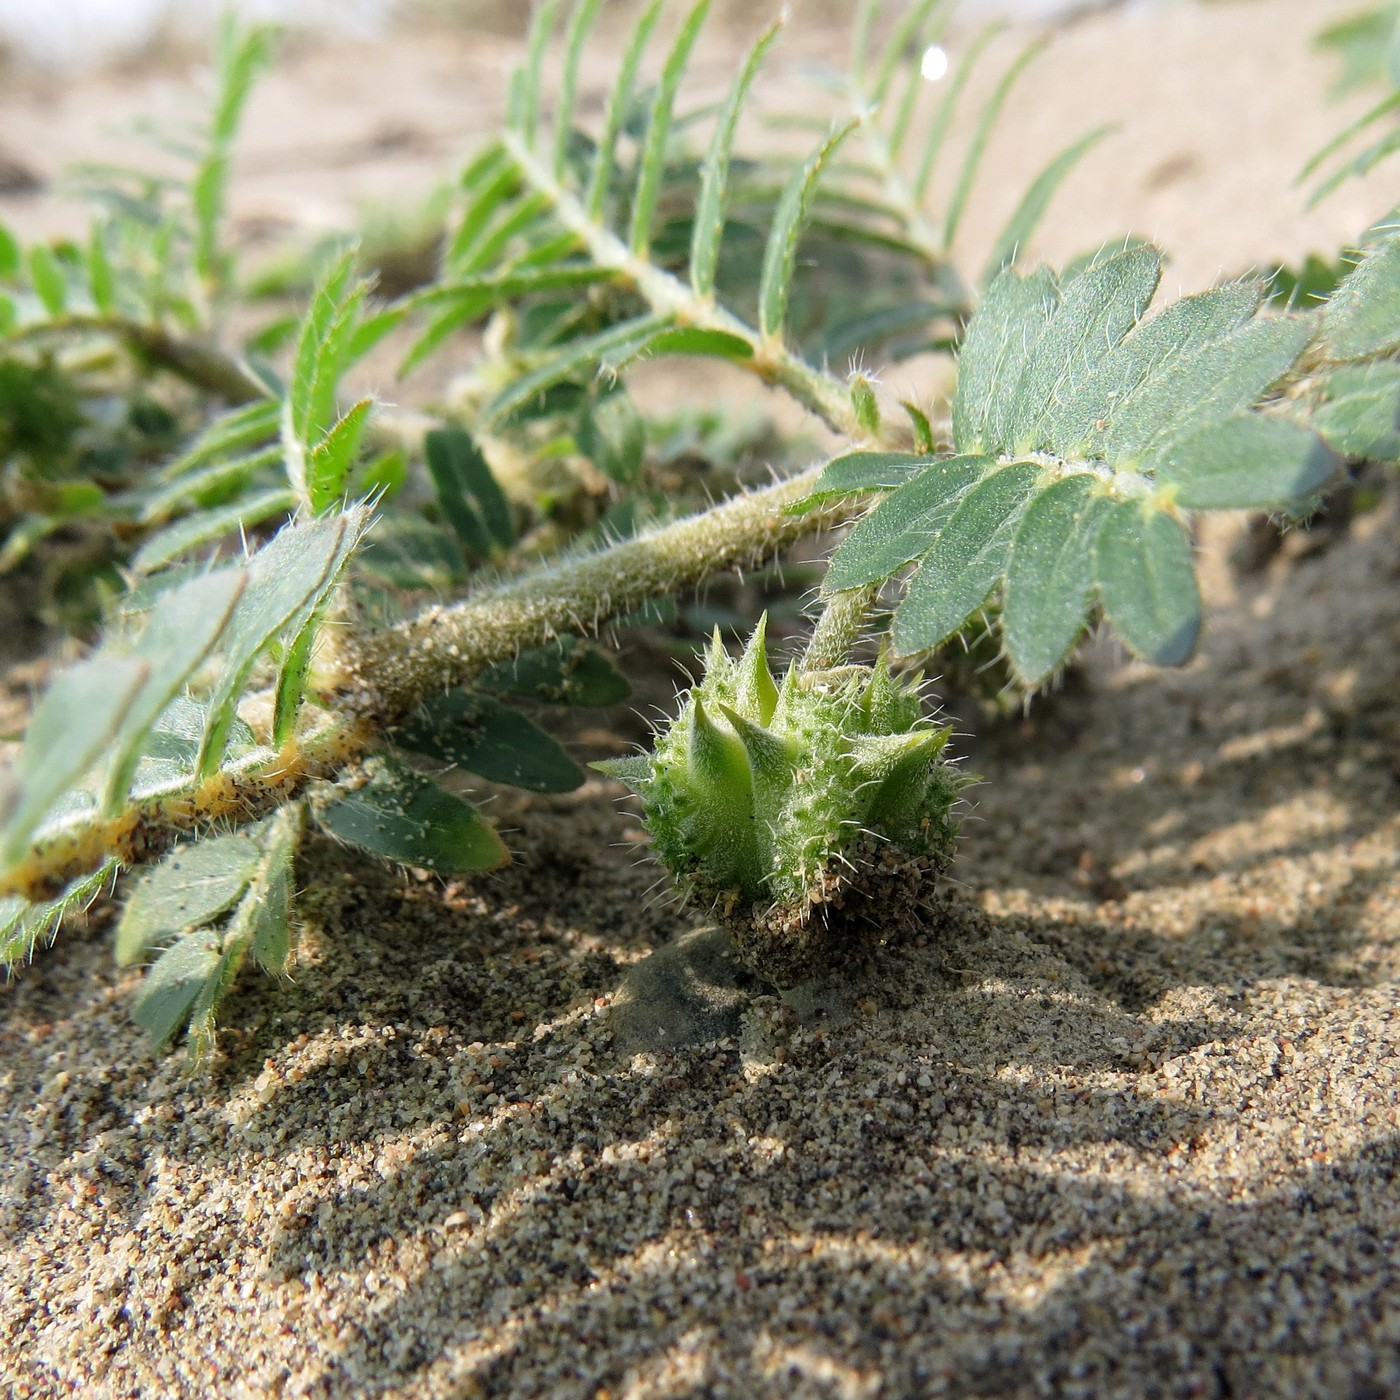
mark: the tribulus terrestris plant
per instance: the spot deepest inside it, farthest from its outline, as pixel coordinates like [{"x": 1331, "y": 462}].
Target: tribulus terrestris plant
[{"x": 255, "y": 540}]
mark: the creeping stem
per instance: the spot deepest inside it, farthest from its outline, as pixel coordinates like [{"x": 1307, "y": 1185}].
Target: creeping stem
[{"x": 382, "y": 675}]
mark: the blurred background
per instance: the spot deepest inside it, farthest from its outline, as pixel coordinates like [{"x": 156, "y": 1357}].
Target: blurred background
[
  {"x": 71, "y": 35},
  {"x": 374, "y": 104}
]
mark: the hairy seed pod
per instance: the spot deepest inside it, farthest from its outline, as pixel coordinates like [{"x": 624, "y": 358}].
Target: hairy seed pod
[{"x": 813, "y": 817}]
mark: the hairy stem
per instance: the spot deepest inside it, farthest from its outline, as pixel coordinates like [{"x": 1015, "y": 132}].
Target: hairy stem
[
  {"x": 838, "y": 628},
  {"x": 383, "y": 675},
  {"x": 388, "y": 673}
]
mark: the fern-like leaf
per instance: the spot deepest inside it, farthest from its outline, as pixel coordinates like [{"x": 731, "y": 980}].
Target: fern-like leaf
[{"x": 1084, "y": 432}]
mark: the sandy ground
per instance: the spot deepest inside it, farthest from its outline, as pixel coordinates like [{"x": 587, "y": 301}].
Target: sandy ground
[{"x": 1123, "y": 1123}]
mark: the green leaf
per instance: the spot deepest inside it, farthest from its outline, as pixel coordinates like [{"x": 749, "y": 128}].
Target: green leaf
[
  {"x": 207, "y": 487},
  {"x": 566, "y": 673},
  {"x": 1031, "y": 210},
  {"x": 469, "y": 495},
  {"x": 1077, "y": 425},
  {"x": 857, "y": 472},
  {"x": 1214, "y": 382},
  {"x": 79, "y": 717},
  {"x": 242, "y": 55},
  {"x": 653, "y": 162},
  {"x": 619, "y": 103},
  {"x": 50, "y": 285},
  {"x": 175, "y": 983},
  {"x": 676, "y": 340},
  {"x": 1096, "y": 311},
  {"x": 1050, "y": 576},
  {"x": 267, "y": 917},
  {"x": 11, "y": 256},
  {"x": 317, "y": 363},
  {"x": 330, "y": 460},
  {"x": 170, "y": 751},
  {"x": 1361, "y": 163},
  {"x": 1147, "y": 582},
  {"x": 612, "y": 435},
  {"x": 191, "y": 887},
  {"x": 1361, "y": 320},
  {"x": 526, "y": 106},
  {"x": 578, "y": 358},
  {"x": 919, "y": 424},
  {"x": 496, "y": 181},
  {"x": 966, "y": 559},
  {"x": 182, "y": 629},
  {"x": 235, "y": 432},
  {"x": 904, "y": 37},
  {"x": 288, "y": 581},
  {"x": 780, "y": 252},
  {"x": 938, "y": 128},
  {"x": 296, "y": 658},
  {"x": 996, "y": 349},
  {"x": 707, "y": 232},
  {"x": 25, "y": 924},
  {"x": 1361, "y": 416},
  {"x": 403, "y": 816},
  {"x": 210, "y": 526},
  {"x": 581, "y": 21},
  {"x": 904, "y": 524},
  {"x": 490, "y": 739},
  {"x": 101, "y": 279},
  {"x": 1249, "y": 462},
  {"x": 981, "y": 135},
  {"x": 1361, "y": 42},
  {"x": 510, "y": 223}
]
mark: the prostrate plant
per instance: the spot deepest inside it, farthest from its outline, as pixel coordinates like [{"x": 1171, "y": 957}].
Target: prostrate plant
[{"x": 239, "y": 699}]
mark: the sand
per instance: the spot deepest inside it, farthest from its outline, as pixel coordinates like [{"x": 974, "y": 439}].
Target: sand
[{"x": 1122, "y": 1122}]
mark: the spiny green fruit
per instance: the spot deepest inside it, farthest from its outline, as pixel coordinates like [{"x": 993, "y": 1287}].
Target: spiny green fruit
[{"x": 810, "y": 815}]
